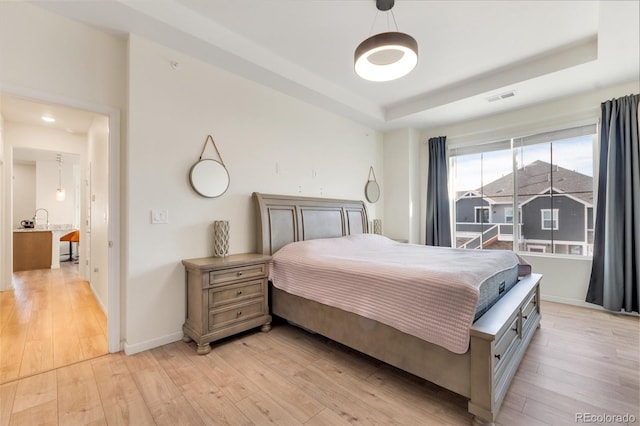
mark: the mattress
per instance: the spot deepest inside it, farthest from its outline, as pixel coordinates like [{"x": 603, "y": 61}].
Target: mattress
[
  {"x": 433, "y": 293},
  {"x": 493, "y": 288}
]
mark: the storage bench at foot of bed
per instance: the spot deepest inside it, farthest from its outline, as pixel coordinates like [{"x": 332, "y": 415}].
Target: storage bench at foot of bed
[{"x": 498, "y": 342}]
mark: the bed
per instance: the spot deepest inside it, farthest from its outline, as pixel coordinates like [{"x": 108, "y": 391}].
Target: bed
[{"x": 497, "y": 339}]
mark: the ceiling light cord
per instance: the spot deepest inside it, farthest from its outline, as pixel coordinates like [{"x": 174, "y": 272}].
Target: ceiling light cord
[
  {"x": 59, "y": 172},
  {"x": 375, "y": 19},
  {"x": 394, "y": 19}
]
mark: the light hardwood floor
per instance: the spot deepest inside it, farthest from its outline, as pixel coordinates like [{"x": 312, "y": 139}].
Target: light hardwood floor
[
  {"x": 51, "y": 319},
  {"x": 580, "y": 361}
]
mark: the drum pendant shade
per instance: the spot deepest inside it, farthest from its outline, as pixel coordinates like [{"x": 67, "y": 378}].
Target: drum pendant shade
[{"x": 386, "y": 56}]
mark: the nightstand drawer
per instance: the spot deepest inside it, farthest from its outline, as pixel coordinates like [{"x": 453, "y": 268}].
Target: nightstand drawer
[
  {"x": 240, "y": 273},
  {"x": 236, "y": 292},
  {"x": 223, "y": 318}
]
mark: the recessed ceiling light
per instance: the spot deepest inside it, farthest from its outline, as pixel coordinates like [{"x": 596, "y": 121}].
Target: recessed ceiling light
[{"x": 48, "y": 119}]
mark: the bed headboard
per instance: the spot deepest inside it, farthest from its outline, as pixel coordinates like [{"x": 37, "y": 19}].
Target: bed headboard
[{"x": 283, "y": 219}]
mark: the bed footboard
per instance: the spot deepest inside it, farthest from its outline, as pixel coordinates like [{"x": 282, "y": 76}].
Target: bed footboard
[{"x": 498, "y": 342}]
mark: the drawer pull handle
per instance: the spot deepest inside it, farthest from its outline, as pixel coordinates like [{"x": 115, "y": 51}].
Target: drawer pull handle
[
  {"x": 524, "y": 317},
  {"x": 515, "y": 329},
  {"x": 497, "y": 356},
  {"x": 240, "y": 273},
  {"x": 239, "y": 293},
  {"x": 238, "y": 313}
]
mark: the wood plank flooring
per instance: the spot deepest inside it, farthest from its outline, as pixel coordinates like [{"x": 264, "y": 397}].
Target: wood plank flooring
[
  {"x": 51, "y": 319},
  {"x": 580, "y": 361}
]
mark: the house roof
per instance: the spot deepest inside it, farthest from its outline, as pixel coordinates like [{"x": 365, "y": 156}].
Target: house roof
[{"x": 535, "y": 179}]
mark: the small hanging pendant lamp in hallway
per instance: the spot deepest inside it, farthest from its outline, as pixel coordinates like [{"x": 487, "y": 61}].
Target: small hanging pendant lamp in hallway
[
  {"x": 386, "y": 56},
  {"x": 60, "y": 193}
]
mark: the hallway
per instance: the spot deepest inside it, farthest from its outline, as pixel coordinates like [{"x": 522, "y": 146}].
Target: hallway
[{"x": 51, "y": 319}]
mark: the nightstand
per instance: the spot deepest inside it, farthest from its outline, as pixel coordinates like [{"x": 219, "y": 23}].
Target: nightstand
[{"x": 225, "y": 296}]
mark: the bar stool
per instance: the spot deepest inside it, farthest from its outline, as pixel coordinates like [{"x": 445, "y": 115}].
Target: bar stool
[{"x": 72, "y": 237}]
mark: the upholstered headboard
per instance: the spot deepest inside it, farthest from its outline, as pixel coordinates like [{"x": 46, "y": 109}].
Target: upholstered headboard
[{"x": 283, "y": 219}]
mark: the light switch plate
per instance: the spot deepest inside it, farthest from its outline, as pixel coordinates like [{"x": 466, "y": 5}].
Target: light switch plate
[{"x": 159, "y": 216}]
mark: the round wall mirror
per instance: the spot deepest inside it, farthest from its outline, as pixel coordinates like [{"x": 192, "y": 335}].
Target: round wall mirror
[
  {"x": 209, "y": 178},
  {"x": 372, "y": 191}
]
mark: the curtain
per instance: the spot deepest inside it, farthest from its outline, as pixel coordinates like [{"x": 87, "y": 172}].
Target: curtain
[
  {"x": 438, "y": 225},
  {"x": 616, "y": 249}
]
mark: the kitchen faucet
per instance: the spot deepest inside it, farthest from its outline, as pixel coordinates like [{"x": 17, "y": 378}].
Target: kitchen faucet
[{"x": 35, "y": 217}]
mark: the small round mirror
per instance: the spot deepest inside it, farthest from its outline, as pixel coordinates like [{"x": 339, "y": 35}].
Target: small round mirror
[
  {"x": 209, "y": 178},
  {"x": 372, "y": 191}
]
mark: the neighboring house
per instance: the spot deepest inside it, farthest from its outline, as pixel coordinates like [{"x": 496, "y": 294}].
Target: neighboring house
[{"x": 562, "y": 223}]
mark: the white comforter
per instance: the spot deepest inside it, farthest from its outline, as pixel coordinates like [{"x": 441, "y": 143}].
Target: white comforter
[{"x": 428, "y": 292}]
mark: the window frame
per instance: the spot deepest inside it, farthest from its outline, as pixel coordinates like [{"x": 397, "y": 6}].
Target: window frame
[
  {"x": 554, "y": 219},
  {"x": 466, "y": 146},
  {"x": 481, "y": 208},
  {"x": 506, "y": 209}
]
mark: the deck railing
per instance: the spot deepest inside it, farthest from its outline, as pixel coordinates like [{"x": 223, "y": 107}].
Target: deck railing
[{"x": 487, "y": 232}]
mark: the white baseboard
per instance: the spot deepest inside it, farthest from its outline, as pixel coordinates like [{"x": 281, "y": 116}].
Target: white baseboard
[
  {"x": 119, "y": 346},
  {"x": 582, "y": 304},
  {"x": 143, "y": 346},
  {"x": 568, "y": 301},
  {"x": 95, "y": 294},
  {"x": 153, "y": 343}
]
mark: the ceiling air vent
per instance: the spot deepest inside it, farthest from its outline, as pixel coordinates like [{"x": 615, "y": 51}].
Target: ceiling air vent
[{"x": 501, "y": 96}]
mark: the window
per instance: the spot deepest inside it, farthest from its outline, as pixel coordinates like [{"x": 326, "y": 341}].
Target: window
[
  {"x": 573, "y": 249},
  {"x": 476, "y": 225},
  {"x": 549, "y": 221},
  {"x": 482, "y": 215},
  {"x": 547, "y": 178},
  {"x": 508, "y": 214}
]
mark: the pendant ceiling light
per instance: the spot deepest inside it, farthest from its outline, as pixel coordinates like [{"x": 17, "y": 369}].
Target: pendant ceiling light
[
  {"x": 60, "y": 193},
  {"x": 386, "y": 56}
]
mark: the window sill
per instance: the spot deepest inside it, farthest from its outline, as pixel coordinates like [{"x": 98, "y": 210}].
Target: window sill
[{"x": 556, "y": 256}]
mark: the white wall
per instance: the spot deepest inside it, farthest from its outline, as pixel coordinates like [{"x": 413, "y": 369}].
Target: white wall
[
  {"x": 24, "y": 188},
  {"x": 401, "y": 181},
  {"x": 47, "y": 53},
  {"x": 270, "y": 143},
  {"x": 96, "y": 233},
  {"x": 565, "y": 280}
]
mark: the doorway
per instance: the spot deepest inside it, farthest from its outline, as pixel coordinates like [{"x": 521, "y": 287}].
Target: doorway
[{"x": 94, "y": 276}]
